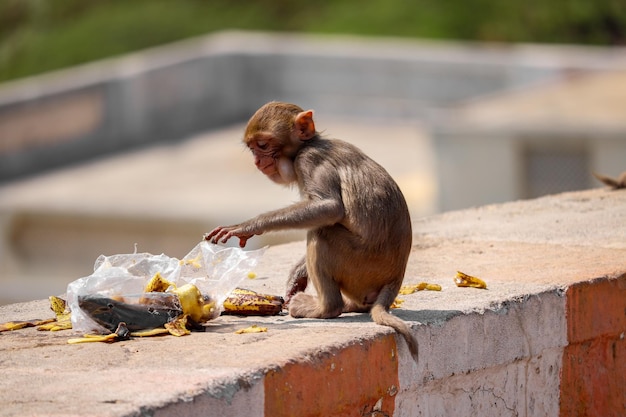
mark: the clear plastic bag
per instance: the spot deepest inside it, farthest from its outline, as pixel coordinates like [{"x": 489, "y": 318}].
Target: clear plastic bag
[{"x": 213, "y": 269}]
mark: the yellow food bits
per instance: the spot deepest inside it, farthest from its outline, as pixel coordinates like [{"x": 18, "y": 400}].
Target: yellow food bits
[
  {"x": 410, "y": 289},
  {"x": 252, "y": 329},
  {"x": 464, "y": 280}
]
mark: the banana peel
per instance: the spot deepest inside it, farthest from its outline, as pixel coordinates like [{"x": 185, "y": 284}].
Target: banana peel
[
  {"x": 244, "y": 302},
  {"x": 397, "y": 303},
  {"x": 464, "y": 280},
  {"x": 177, "y": 327},
  {"x": 61, "y": 321},
  {"x": 241, "y": 301},
  {"x": 20, "y": 324},
  {"x": 121, "y": 333},
  {"x": 92, "y": 338},
  {"x": 410, "y": 289},
  {"x": 252, "y": 329},
  {"x": 158, "y": 284},
  {"x": 193, "y": 303}
]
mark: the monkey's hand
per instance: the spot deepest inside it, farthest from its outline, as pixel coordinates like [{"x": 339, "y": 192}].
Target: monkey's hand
[{"x": 223, "y": 233}]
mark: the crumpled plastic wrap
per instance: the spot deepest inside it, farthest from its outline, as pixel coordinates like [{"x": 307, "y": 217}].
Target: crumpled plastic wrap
[{"x": 213, "y": 269}]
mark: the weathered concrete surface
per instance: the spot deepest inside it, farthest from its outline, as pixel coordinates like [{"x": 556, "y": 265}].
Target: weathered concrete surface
[{"x": 546, "y": 338}]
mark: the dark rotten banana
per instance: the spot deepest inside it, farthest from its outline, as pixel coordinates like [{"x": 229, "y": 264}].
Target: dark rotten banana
[
  {"x": 249, "y": 303},
  {"x": 110, "y": 313}
]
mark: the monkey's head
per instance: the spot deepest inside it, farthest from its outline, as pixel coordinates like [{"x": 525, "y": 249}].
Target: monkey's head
[{"x": 274, "y": 134}]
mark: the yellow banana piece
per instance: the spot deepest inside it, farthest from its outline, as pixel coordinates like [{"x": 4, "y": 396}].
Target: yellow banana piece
[
  {"x": 192, "y": 302},
  {"x": 178, "y": 327},
  {"x": 62, "y": 320},
  {"x": 20, "y": 324},
  {"x": 92, "y": 338},
  {"x": 464, "y": 280},
  {"x": 158, "y": 284},
  {"x": 252, "y": 329},
  {"x": 410, "y": 289},
  {"x": 150, "y": 332},
  {"x": 397, "y": 303}
]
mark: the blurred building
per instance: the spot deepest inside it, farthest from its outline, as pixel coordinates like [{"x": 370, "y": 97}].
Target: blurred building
[{"x": 531, "y": 142}]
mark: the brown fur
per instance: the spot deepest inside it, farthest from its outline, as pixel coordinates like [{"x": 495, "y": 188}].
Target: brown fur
[
  {"x": 615, "y": 183},
  {"x": 359, "y": 229}
]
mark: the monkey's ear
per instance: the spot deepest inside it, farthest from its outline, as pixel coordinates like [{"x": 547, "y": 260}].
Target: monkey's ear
[{"x": 305, "y": 127}]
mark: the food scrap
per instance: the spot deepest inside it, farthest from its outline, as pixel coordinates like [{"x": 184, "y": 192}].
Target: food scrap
[
  {"x": 410, "y": 289},
  {"x": 252, "y": 329},
  {"x": 61, "y": 321},
  {"x": 153, "y": 316},
  {"x": 243, "y": 302},
  {"x": 20, "y": 324},
  {"x": 126, "y": 297},
  {"x": 158, "y": 284},
  {"x": 89, "y": 338},
  {"x": 121, "y": 333},
  {"x": 464, "y": 280},
  {"x": 397, "y": 303}
]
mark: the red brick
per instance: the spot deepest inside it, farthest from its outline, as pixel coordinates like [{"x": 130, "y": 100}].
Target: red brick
[
  {"x": 347, "y": 382},
  {"x": 593, "y": 376}
]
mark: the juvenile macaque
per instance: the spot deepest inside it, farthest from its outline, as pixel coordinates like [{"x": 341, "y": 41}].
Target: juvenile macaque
[
  {"x": 615, "y": 183},
  {"x": 359, "y": 230}
]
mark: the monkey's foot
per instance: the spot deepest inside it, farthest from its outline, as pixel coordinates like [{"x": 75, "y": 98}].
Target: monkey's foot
[{"x": 306, "y": 306}]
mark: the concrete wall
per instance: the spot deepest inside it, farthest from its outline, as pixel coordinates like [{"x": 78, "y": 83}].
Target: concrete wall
[
  {"x": 530, "y": 142},
  {"x": 170, "y": 92},
  {"x": 546, "y": 339},
  {"x": 478, "y": 166}
]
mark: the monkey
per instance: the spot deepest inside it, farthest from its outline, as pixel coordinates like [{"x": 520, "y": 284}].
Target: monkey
[
  {"x": 615, "y": 183},
  {"x": 357, "y": 220}
]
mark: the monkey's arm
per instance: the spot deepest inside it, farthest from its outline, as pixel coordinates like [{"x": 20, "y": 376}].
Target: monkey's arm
[{"x": 306, "y": 214}]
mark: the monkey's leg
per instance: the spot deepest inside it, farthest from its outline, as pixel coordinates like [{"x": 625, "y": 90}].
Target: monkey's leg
[
  {"x": 298, "y": 280},
  {"x": 329, "y": 302}
]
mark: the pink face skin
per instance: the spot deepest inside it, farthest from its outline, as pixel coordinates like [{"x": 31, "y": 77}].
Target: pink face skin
[
  {"x": 277, "y": 168},
  {"x": 273, "y": 155}
]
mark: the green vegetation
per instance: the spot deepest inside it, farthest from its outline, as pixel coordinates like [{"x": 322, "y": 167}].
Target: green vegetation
[{"x": 43, "y": 35}]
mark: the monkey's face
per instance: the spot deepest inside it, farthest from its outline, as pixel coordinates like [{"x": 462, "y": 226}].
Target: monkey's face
[
  {"x": 275, "y": 134},
  {"x": 270, "y": 159}
]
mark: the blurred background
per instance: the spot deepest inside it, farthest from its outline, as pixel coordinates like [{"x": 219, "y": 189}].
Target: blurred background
[{"x": 120, "y": 122}]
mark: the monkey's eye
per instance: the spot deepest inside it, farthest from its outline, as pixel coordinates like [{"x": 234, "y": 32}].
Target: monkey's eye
[{"x": 262, "y": 145}]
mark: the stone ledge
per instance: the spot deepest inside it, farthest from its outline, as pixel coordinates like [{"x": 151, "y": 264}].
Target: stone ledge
[{"x": 546, "y": 338}]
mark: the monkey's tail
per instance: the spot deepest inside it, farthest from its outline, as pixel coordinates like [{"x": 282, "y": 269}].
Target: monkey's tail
[{"x": 381, "y": 315}]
